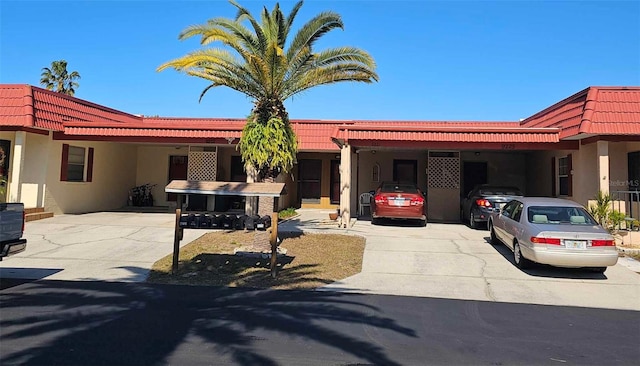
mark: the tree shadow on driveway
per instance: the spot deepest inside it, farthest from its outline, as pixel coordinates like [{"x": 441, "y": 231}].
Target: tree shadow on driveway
[{"x": 101, "y": 323}]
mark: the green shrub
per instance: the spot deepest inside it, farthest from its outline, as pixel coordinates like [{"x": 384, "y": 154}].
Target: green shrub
[{"x": 286, "y": 213}]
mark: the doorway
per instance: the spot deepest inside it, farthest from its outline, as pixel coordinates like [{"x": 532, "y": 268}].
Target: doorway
[
  {"x": 473, "y": 173},
  {"x": 335, "y": 182},
  {"x": 405, "y": 171},
  {"x": 177, "y": 170}
]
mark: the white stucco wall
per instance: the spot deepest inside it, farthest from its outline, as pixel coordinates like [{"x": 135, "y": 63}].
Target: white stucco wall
[{"x": 114, "y": 172}]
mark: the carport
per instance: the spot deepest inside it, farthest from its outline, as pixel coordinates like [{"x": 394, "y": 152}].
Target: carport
[{"x": 445, "y": 159}]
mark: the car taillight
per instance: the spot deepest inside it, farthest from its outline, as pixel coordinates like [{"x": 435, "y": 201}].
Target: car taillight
[
  {"x": 379, "y": 199},
  {"x": 602, "y": 243},
  {"x": 483, "y": 202},
  {"x": 539, "y": 240},
  {"x": 417, "y": 201}
]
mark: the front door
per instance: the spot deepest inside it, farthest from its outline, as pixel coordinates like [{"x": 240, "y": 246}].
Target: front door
[
  {"x": 405, "y": 171},
  {"x": 309, "y": 180},
  {"x": 335, "y": 182},
  {"x": 177, "y": 170}
]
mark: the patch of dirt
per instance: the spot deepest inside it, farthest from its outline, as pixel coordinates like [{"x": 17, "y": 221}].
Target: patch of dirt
[{"x": 311, "y": 261}]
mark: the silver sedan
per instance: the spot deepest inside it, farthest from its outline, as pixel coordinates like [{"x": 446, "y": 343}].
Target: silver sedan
[{"x": 553, "y": 231}]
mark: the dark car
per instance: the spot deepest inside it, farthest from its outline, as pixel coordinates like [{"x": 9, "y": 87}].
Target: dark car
[
  {"x": 483, "y": 200},
  {"x": 395, "y": 200}
]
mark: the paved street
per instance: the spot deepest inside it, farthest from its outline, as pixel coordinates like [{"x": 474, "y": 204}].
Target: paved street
[{"x": 102, "y": 323}]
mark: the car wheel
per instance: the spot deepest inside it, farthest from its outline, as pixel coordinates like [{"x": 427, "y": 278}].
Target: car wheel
[
  {"x": 598, "y": 269},
  {"x": 375, "y": 221},
  {"x": 472, "y": 220},
  {"x": 494, "y": 238},
  {"x": 423, "y": 223},
  {"x": 520, "y": 261}
]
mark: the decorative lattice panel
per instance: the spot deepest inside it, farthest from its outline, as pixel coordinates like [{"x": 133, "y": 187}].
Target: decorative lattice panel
[
  {"x": 444, "y": 172},
  {"x": 202, "y": 165}
]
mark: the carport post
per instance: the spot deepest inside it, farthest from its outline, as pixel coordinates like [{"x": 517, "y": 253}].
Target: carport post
[
  {"x": 176, "y": 235},
  {"x": 274, "y": 239}
]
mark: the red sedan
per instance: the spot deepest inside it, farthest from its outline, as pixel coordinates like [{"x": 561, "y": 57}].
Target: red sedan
[{"x": 393, "y": 200}]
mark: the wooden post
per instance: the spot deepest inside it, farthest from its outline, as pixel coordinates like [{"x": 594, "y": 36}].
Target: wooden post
[
  {"x": 274, "y": 239},
  {"x": 176, "y": 236}
]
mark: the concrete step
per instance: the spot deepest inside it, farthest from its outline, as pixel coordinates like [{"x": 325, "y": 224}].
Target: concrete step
[
  {"x": 37, "y": 216},
  {"x": 32, "y": 210}
]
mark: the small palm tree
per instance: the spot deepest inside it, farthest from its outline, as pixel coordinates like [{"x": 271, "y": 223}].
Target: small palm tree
[
  {"x": 264, "y": 63},
  {"x": 57, "y": 78}
]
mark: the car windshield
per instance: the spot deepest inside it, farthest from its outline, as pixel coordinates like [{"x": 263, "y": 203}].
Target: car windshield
[
  {"x": 398, "y": 188},
  {"x": 503, "y": 191},
  {"x": 559, "y": 215}
]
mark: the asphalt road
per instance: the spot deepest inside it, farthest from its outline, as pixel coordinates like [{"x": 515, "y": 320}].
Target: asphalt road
[{"x": 108, "y": 323}]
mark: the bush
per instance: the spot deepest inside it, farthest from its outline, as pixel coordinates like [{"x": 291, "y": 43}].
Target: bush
[{"x": 286, "y": 213}]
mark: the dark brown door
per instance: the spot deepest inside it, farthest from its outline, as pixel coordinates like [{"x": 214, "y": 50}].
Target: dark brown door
[
  {"x": 177, "y": 170},
  {"x": 405, "y": 171},
  {"x": 309, "y": 179},
  {"x": 335, "y": 181}
]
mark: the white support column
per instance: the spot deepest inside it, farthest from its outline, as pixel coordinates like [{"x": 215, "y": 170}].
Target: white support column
[
  {"x": 345, "y": 186},
  {"x": 603, "y": 165},
  {"x": 17, "y": 163}
]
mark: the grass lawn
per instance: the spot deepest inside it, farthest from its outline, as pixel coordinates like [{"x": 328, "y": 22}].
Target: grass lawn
[{"x": 312, "y": 260}]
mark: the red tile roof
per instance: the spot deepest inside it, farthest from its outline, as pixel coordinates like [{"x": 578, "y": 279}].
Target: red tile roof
[
  {"x": 30, "y": 106},
  {"x": 593, "y": 111},
  {"x": 16, "y": 107},
  {"x": 481, "y": 132}
]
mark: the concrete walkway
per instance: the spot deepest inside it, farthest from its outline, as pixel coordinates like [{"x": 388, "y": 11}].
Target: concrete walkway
[
  {"x": 440, "y": 260},
  {"x": 454, "y": 261}
]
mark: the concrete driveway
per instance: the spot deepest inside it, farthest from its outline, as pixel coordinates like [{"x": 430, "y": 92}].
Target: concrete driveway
[
  {"x": 108, "y": 246},
  {"x": 454, "y": 261},
  {"x": 441, "y": 260}
]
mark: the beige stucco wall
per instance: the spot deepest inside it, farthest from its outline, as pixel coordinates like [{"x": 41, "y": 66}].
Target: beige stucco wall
[
  {"x": 114, "y": 172},
  {"x": 153, "y": 168},
  {"x": 585, "y": 170},
  {"x": 33, "y": 178},
  {"x": 366, "y": 160}
]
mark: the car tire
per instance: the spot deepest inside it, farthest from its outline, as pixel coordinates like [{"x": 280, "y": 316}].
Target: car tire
[
  {"x": 472, "y": 221},
  {"x": 598, "y": 269},
  {"x": 492, "y": 233},
  {"x": 520, "y": 261},
  {"x": 375, "y": 221},
  {"x": 423, "y": 223}
]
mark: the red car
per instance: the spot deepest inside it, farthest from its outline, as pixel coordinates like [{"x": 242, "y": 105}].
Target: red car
[{"x": 394, "y": 200}]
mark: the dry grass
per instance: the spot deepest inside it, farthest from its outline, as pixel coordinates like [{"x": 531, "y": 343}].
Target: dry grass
[{"x": 312, "y": 260}]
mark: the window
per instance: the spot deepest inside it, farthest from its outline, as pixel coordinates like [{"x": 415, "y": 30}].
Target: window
[
  {"x": 564, "y": 175},
  {"x": 375, "y": 173},
  {"x": 512, "y": 208},
  {"x": 77, "y": 164}
]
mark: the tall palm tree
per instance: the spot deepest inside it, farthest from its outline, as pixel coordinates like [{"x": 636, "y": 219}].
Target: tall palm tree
[
  {"x": 57, "y": 78},
  {"x": 257, "y": 61}
]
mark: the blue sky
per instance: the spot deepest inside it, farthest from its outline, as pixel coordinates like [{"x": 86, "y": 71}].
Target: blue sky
[{"x": 437, "y": 60}]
